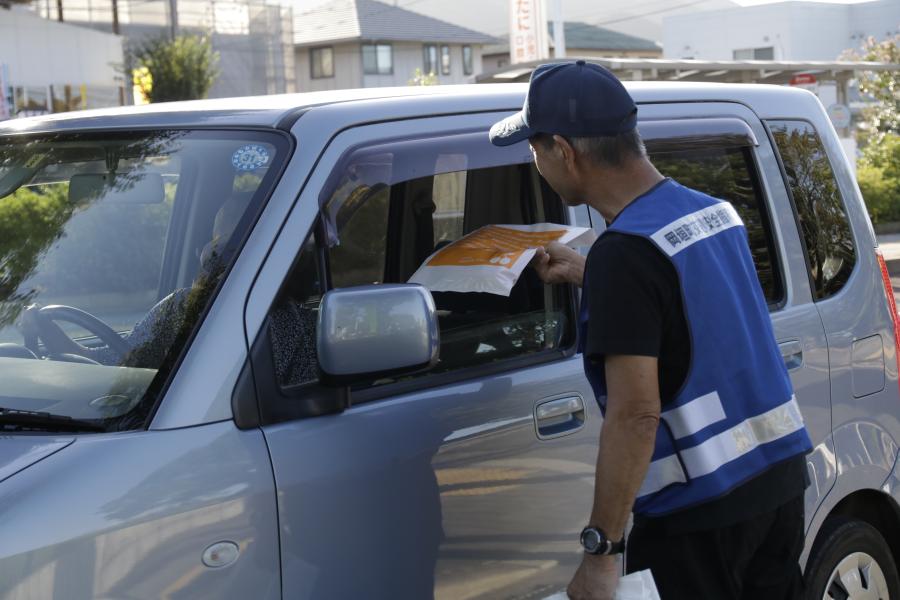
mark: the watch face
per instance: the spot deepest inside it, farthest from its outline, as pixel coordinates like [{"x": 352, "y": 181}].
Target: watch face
[{"x": 590, "y": 539}]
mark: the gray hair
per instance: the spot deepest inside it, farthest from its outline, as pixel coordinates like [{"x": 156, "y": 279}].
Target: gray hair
[{"x": 607, "y": 151}]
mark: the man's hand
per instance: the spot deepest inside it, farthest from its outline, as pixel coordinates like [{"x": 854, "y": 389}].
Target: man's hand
[
  {"x": 557, "y": 263},
  {"x": 595, "y": 579}
]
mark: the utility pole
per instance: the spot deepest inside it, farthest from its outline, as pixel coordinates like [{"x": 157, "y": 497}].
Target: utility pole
[
  {"x": 59, "y": 12},
  {"x": 173, "y": 18},
  {"x": 559, "y": 29},
  {"x": 115, "y": 16}
]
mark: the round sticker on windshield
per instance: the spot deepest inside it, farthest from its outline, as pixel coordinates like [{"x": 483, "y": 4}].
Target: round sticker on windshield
[{"x": 250, "y": 157}]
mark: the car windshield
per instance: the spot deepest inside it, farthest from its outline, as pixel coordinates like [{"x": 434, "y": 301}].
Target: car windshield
[{"x": 111, "y": 246}]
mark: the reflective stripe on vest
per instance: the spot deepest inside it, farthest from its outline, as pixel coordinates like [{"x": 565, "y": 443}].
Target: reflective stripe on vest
[
  {"x": 690, "y": 229},
  {"x": 723, "y": 448}
]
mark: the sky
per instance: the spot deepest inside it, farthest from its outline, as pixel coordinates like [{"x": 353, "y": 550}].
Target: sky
[{"x": 642, "y": 18}]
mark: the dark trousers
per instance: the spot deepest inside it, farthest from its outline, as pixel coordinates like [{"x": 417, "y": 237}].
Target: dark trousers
[{"x": 756, "y": 558}]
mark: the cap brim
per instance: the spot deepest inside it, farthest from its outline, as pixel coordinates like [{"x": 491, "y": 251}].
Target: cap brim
[{"x": 510, "y": 130}]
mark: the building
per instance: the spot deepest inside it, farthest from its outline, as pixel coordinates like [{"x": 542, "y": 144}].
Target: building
[
  {"x": 784, "y": 31},
  {"x": 253, "y": 37},
  {"x": 585, "y": 41},
  {"x": 47, "y": 66},
  {"x": 365, "y": 43}
]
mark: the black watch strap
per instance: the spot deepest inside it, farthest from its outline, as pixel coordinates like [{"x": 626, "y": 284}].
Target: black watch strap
[{"x": 616, "y": 547}]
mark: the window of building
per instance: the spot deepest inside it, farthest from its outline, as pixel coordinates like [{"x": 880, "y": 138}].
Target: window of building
[
  {"x": 728, "y": 174},
  {"x": 767, "y": 53},
  {"x": 398, "y": 203},
  {"x": 430, "y": 56},
  {"x": 321, "y": 62},
  {"x": 445, "y": 60},
  {"x": 378, "y": 59},
  {"x": 830, "y": 253},
  {"x": 468, "y": 64}
]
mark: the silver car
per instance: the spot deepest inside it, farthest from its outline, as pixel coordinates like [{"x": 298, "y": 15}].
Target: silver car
[{"x": 215, "y": 382}]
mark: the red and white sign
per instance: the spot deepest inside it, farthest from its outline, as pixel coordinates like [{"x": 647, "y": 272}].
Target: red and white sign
[
  {"x": 803, "y": 79},
  {"x": 527, "y": 31}
]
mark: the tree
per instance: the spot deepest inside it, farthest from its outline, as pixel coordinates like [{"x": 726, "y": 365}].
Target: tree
[
  {"x": 878, "y": 174},
  {"x": 420, "y": 78},
  {"x": 883, "y": 116},
  {"x": 181, "y": 69}
]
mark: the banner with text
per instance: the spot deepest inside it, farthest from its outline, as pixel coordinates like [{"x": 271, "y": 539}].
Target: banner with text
[{"x": 528, "y": 39}]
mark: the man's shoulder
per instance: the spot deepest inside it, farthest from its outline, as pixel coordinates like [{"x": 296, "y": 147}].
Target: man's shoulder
[
  {"x": 616, "y": 256},
  {"x": 616, "y": 245}
]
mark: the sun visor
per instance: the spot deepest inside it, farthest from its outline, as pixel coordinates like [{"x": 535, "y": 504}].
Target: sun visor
[{"x": 366, "y": 170}]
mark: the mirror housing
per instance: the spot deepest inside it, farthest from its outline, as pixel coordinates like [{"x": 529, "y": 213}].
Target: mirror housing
[{"x": 376, "y": 331}]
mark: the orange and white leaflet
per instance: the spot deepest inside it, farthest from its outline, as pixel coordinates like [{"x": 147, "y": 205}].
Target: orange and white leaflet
[{"x": 492, "y": 258}]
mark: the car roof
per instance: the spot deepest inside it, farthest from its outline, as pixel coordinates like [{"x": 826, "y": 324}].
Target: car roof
[{"x": 283, "y": 109}]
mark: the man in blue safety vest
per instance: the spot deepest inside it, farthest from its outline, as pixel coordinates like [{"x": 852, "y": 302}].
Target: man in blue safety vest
[{"x": 702, "y": 437}]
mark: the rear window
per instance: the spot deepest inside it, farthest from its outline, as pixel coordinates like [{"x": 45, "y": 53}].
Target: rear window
[
  {"x": 830, "y": 255},
  {"x": 728, "y": 174}
]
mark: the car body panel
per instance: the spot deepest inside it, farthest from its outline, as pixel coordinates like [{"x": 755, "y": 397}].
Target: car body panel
[{"x": 130, "y": 515}]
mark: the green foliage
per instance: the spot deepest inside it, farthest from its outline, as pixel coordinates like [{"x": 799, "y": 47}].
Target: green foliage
[
  {"x": 29, "y": 224},
  {"x": 878, "y": 174},
  {"x": 181, "y": 69},
  {"x": 883, "y": 116},
  {"x": 420, "y": 78}
]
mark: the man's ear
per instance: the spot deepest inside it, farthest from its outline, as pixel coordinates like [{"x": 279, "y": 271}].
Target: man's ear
[{"x": 567, "y": 151}]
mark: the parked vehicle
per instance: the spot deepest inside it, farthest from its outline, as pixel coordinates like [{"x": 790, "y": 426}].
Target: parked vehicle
[{"x": 185, "y": 416}]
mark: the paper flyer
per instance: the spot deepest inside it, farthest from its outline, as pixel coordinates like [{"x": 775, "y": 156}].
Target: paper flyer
[{"x": 492, "y": 258}]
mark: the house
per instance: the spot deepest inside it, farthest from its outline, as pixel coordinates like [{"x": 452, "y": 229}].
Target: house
[
  {"x": 782, "y": 31},
  {"x": 251, "y": 37},
  {"x": 584, "y": 41},
  {"x": 48, "y": 67},
  {"x": 365, "y": 43}
]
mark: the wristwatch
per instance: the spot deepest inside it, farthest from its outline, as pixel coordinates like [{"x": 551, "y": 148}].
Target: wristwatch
[{"x": 594, "y": 541}]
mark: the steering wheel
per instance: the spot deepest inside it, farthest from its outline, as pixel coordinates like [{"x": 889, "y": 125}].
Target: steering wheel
[{"x": 44, "y": 322}]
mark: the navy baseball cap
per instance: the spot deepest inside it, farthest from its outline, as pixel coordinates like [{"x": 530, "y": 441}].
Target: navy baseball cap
[{"x": 575, "y": 99}]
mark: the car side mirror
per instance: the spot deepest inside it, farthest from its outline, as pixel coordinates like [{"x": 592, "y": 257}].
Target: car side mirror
[{"x": 376, "y": 331}]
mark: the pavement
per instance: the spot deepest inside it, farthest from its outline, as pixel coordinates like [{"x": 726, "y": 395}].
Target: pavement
[{"x": 890, "y": 248}]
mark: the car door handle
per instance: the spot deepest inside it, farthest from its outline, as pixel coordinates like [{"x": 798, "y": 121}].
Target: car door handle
[
  {"x": 559, "y": 416},
  {"x": 792, "y": 353}
]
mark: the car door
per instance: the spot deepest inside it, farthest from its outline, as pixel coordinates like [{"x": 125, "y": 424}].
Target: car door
[{"x": 472, "y": 480}]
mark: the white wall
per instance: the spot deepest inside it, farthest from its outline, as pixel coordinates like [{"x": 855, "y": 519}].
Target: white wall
[
  {"x": 39, "y": 52},
  {"x": 411, "y": 56},
  {"x": 347, "y": 69},
  {"x": 407, "y": 58},
  {"x": 796, "y": 30}
]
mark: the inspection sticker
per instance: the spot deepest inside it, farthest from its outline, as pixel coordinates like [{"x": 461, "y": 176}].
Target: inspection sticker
[{"x": 250, "y": 157}]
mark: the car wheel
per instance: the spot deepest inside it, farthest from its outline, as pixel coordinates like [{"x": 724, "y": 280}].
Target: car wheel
[{"x": 851, "y": 561}]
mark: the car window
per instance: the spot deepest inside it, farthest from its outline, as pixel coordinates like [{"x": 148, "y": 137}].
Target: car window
[
  {"x": 728, "y": 174},
  {"x": 389, "y": 224},
  {"x": 111, "y": 246},
  {"x": 828, "y": 241}
]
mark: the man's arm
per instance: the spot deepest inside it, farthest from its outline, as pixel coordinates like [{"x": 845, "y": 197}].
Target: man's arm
[{"x": 626, "y": 446}]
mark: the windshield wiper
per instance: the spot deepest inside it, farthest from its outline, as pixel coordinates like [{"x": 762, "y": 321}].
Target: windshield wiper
[{"x": 12, "y": 419}]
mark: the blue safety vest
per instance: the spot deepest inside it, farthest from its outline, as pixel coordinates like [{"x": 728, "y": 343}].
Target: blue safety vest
[{"x": 735, "y": 415}]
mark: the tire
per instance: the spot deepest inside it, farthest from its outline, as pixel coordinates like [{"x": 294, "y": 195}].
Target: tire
[{"x": 851, "y": 561}]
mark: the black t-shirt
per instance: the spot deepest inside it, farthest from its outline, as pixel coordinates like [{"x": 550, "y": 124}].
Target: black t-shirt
[{"x": 635, "y": 308}]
